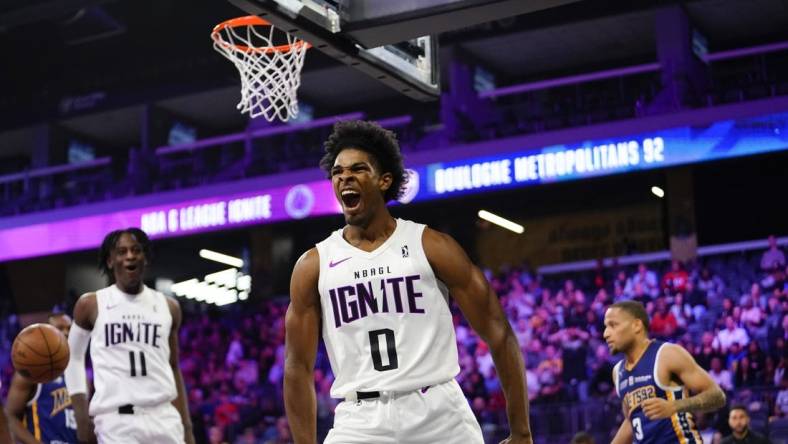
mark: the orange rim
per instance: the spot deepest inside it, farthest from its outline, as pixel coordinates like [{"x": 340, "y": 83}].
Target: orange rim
[{"x": 251, "y": 20}]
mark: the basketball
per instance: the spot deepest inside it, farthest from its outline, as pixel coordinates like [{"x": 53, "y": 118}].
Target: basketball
[{"x": 40, "y": 353}]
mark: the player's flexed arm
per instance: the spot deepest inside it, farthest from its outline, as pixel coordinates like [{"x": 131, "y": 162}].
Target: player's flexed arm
[
  {"x": 302, "y": 329},
  {"x": 85, "y": 313},
  {"x": 676, "y": 362},
  {"x": 468, "y": 286}
]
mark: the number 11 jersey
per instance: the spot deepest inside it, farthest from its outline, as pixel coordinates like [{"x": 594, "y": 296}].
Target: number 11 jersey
[
  {"x": 130, "y": 350},
  {"x": 386, "y": 319}
]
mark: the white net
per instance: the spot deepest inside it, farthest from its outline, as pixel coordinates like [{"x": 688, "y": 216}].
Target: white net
[{"x": 270, "y": 72}]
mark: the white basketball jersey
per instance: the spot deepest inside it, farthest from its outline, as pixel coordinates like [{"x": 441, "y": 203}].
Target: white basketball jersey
[
  {"x": 130, "y": 350},
  {"x": 386, "y": 318}
]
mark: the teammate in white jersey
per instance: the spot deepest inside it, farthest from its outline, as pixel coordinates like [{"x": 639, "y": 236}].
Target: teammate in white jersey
[
  {"x": 133, "y": 334},
  {"x": 379, "y": 288}
]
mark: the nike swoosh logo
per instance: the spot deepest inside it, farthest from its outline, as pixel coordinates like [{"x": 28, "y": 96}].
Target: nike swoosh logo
[
  {"x": 334, "y": 264},
  {"x": 110, "y": 307}
]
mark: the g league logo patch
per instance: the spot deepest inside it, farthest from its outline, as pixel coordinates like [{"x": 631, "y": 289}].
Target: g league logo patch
[
  {"x": 405, "y": 251},
  {"x": 299, "y": 201}
]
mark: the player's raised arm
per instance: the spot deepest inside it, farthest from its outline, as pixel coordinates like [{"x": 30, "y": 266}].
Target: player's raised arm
[
  {"x": 85, "y": 312},
  {"x": 180, "y": 402},
  {"x": 709, "y": 396},
  {"x": 302, "y": 330},
  {"x": 19, "y": 393},
  {"x": 468, "y": 286}
]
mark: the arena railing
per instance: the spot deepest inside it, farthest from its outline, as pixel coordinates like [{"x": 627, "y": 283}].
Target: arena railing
[
  {"x": 55, "y": 170},
  {"x": 625, "y": 71},
  {"x": 658, "y": 256}
]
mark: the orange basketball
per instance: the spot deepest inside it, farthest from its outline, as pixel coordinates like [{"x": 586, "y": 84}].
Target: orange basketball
[{"x": 40, "y": 353}]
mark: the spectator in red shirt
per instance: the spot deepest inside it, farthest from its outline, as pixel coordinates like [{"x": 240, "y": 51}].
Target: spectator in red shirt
[
  {"x": 663, "y": 323},
  {"x": 675, "y": 281},
  {"x": 226, "y": 412}
]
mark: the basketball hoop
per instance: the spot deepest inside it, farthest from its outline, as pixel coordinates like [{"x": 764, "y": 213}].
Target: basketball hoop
[{"x": 270, "y": 72}]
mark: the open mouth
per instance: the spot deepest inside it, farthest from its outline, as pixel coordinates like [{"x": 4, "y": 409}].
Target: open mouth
[
  {"x": 350, "y": 198},
  {"x": 131, "y": 268}
]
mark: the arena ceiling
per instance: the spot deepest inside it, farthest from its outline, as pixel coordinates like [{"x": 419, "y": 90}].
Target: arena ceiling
[{"x": 58, "y": 51}]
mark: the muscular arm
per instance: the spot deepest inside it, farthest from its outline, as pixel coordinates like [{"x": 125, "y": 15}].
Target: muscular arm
[
  {"x": 468, "y": 286},
  {"x": 302, "y": 327},
  {"x": 85, "y": 312},
  {"x": 179, "y": 402},
  {"x": 709, "y": 396},
  {"x": 19, "y": 394},
  {"x": 677, "y": 362},
  {"x": 5, "y": 435}
]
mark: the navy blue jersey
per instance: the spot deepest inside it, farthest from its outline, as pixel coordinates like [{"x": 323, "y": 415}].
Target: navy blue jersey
[
  {"x": 641, "y": 383},
  {"x": 49, "y": 415}
]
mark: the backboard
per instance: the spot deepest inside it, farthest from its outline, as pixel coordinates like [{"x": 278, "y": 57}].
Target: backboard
[{"x": 395, "y": 42}]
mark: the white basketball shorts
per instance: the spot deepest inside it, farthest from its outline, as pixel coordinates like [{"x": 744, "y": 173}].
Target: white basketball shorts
[
  {"x": 159, "y": 424},
  {"x": 439, "y": 414}
]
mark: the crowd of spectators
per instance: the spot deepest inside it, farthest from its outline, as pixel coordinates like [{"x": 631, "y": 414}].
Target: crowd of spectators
[{"x": 233, "y": 360}]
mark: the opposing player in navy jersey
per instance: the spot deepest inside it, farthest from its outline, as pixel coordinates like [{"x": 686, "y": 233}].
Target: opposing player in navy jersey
[
  {"x": 379, "y": 289},
  {"x": 654, "y": 381},
  {"x": 132, "y": 331},
  {"x": 42, "y": 413}
]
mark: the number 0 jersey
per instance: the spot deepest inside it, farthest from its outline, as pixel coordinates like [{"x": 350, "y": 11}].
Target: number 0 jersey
[
  {"x": 641, "y": 383},
  {"x": 386, "y": 319},
  {"x": 130, "y": 350}
]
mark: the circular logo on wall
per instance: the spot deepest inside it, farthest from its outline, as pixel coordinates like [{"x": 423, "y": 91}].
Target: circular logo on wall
[
  {"x": 411, "y": 188},
  {"x": 299, "y": 201}
]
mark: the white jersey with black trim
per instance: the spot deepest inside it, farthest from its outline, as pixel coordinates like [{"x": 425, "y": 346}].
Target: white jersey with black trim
[
  {"x": 130, "y": 350},
  {"x": 386, "y": 319}
]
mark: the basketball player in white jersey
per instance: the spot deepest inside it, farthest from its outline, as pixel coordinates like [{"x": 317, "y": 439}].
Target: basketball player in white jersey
[
  {"x": 133, "y": 335},
  {"x": 379, "y": 288}
]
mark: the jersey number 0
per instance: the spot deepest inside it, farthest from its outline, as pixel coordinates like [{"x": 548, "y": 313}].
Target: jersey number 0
[{"x": 391, "y": 350}]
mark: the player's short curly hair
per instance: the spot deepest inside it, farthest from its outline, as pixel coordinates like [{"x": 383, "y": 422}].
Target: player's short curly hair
[
  {"x": 380, "y": 143},
  {"x": 111, "y": 239}
]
